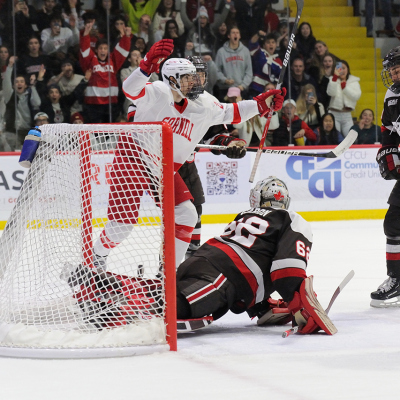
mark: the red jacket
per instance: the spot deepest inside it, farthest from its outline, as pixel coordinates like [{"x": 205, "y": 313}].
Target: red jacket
[{"x": 99, "y": 87}]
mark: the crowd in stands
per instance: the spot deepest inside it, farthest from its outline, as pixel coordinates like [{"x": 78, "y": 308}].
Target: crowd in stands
[{"x": 64, "y": 62}]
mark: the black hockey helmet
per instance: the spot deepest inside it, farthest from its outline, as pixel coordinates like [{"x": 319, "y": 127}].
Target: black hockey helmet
[
  {"x": 201, "y": 67},
  {"x": 391, "y": 60}
]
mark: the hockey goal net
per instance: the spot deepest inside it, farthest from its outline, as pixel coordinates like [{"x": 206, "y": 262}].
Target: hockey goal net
[{"x": 53, "y": 301}]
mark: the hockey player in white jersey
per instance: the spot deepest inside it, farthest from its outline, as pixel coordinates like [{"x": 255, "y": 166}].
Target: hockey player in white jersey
[{"x": 180, "y": 101}]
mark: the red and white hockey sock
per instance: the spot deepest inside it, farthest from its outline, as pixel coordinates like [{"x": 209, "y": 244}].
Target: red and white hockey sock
[
  {"x": 113, "y": 234},
  {"x": 185, "y": 221}
]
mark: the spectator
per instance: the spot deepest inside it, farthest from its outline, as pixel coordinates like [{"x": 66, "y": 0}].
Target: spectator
[
  {"x": 102, "y": 88},
  {"x": 172, "y": 32},
  {"x": 55, "y": 106},
  {"x": 233, "y": 63},
  {"x": 136, "y": 8},
  {"x": 305, "y": 41},
  {"x": 77, "y": 118},
  {"x": 134, "y": 60},
  {"x": 327, "y": 133},
  {"x": 140, "y": 44},
  {"x": 144, "y": 30},
  {"x": 205, "y": 44},
  {"x": 26, "y": 24},
  {"x": 282, "y": 32},
  {"x": 221, "y": 36},
  {"x": 31, "y": 63},
  {"x": 328, "y": 65},
  {"x": 192, "y": 8},
  {"x": 94, "y": 34},
  {"x": 271, "y": 20},
  {"x": 249, "y": 17},
  {"x": 308, "y": 108},
  {"x": 4, "y": 56},
  {"x": 298, "y": 79},
  {"x": 74, "y": 8},
  {"x": 368, "y": 132},
  {"x": 49, "y": 10},
  {"x": 266, "y": 64},
  {"x": 345, "y": 91},
  {"x": 56, "y": 40},
  {"x": 386, "y": 7},
  {"x": 67, "y": 81},
  {"x": 40, "y": 119},
  {"x": 284, "y": 42},
  {"x": 106, "y": 11},
  {"x": 20, "y": 110},
  {"x": 165, "y": 12},
  {"x": 292, "y": 128},
  {"x": 252, "y": 130},
  {"x": 315, "y": 67},
  {"x": 118, "y": 30}
]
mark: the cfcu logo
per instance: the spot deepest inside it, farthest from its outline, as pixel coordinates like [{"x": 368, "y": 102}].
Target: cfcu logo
[{"x": 324, "y": 176}]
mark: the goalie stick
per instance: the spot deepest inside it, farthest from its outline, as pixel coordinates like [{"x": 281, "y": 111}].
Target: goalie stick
[
  {"x": 190, "y": 325},
  {"x": 334, "y": 153},
  {"x": 299, "y": 4},
  {"x": 341, "y": 286}
]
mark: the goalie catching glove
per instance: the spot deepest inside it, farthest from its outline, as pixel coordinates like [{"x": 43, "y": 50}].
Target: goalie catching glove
[
  {"x": 264, "y": 101},
  {"x": 156, "y": 55},
  {"x": 236, "y": 148},
  {"x": 388, "y": 161},
  {"x": 307, "y": 312}
]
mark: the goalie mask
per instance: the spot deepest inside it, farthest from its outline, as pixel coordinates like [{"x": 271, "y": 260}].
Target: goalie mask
[
  {"x": 181, "y": 76},
  {"x": 270, "y": 192},
  {"x": 391, "y": 60}
]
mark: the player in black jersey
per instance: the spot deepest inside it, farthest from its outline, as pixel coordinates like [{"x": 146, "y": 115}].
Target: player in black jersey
[
  {"x": 265, "y": 249},
  {"x": 388, "y": 293}
]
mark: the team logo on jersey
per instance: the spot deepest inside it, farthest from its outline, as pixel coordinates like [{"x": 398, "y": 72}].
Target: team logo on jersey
[
  {"x": 392, "y": 102},
  {"x": 324, "y": 177}
]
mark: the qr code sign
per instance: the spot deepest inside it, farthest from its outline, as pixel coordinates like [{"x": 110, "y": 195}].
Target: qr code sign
[{"x": 222, "y": 178}]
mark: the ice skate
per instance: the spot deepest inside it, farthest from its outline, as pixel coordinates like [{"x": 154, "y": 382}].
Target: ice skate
[
  {"x": 100, "y": 262},
  {"x": 387, "y": 294}
]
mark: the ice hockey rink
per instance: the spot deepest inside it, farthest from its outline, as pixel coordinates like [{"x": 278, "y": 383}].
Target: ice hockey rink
[{"x": 235, "y": 359}]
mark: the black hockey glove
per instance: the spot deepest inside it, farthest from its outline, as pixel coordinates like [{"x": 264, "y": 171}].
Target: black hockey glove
[
  {"x": 236, "y": 147},
  {"x": 388, "y": 162}
]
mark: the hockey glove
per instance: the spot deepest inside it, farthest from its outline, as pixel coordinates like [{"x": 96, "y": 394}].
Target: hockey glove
[
  {"x": 270, "y": 312},
  {"x": 156, "y": 55},
  {"x": 31, "y": 144},
  {"x": 264, "y": 100},
  {"x": 388, "y": 161},
  {"x": 236, "y": 147},
  {"x": 307, "y": 312}
]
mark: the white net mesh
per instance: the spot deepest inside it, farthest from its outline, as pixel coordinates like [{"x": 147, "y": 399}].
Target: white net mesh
[{"x": 84, "y": 177}]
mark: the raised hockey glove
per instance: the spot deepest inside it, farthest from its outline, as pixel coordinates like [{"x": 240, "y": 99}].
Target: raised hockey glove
[
  {"x": 156, "y": 55},
  {"x": 388, "y": 162},
  {"x": 31, "y": 144},
  {"x": 307, "y": 312},
  {"x": 264, "y": 100}
]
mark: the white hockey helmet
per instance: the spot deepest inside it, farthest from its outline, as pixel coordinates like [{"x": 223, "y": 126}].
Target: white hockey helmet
[
  {"x": 172, "y": 72},
  {"x": 270, "y": 192}
]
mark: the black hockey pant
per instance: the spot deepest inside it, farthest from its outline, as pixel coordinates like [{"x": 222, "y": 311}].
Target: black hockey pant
[{"x": 202, "y": 290}]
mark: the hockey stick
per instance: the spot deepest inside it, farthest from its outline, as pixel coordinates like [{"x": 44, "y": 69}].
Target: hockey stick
[
  {"x": 341, "y": 286},
  {"x": 299, "y": 4},
  {"x": 336, "y": 152}
]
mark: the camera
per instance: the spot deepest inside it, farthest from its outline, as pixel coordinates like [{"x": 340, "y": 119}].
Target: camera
[
  {"x": 339, "y": 65},
  {"x": 309, "y": 95}
]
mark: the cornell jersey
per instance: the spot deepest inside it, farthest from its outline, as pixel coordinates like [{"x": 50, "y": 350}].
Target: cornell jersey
[
  {"x": 190, "y": 121},
  {"x": 262, "y": 250}
]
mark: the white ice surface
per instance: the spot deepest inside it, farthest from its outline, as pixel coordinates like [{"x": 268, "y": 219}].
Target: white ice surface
[{"x": 235, "y": 359}]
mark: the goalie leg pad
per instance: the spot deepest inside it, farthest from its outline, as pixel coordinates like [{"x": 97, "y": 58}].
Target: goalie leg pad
[{"x": 308, "y": 312}]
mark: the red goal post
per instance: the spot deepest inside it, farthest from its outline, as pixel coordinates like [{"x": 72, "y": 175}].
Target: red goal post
[{"x": 45, "y": 311}]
